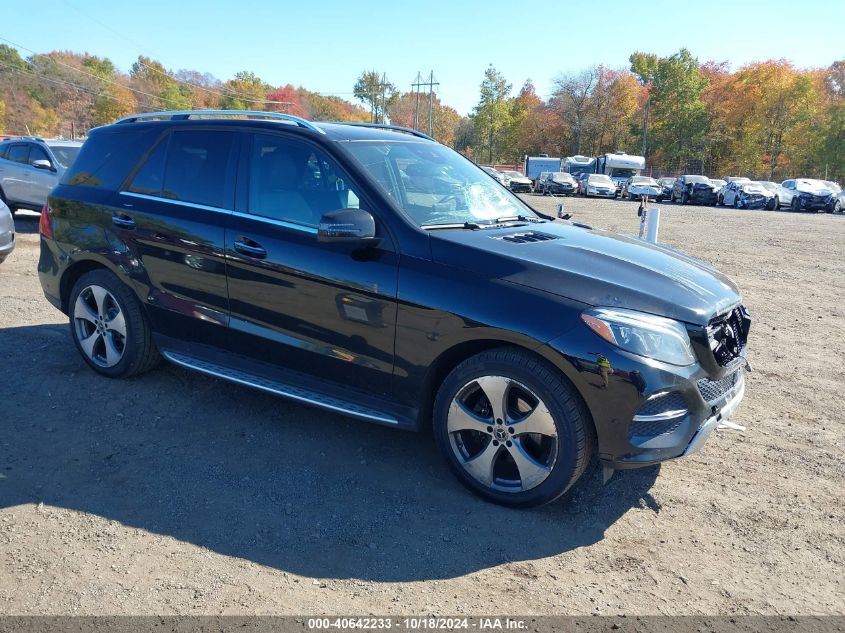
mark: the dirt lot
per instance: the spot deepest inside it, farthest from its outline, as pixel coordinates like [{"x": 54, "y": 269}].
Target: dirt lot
[{"x": 176, "y": 493}]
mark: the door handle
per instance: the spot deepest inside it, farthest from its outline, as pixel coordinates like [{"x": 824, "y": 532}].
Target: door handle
[
  {"x": 123, "y": 221},
  {"x": 246, "y": 246}
]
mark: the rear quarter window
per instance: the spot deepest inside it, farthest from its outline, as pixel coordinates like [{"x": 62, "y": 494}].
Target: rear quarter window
[{"x": 109, "y": 155}]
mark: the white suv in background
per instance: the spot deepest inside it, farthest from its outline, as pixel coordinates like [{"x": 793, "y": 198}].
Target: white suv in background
[{"x": 31, "y": 167}]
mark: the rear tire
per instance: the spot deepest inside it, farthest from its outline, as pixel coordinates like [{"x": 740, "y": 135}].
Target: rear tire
[
  {"x": 482, "y": 439},
  {"x": 109, "y": 327}
]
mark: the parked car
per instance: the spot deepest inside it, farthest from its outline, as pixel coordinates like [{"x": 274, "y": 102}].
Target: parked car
[
  {"x": 637, "y": 186},
  {"x": 600, "y": 185},
  {"x": 287, "y": 256},
  {"x": 723, "y": 183},
  {"x": 804, "y": 194},
  {"x": 537, "y": 183},
  {"x": 516, "y": 182},
  {"x": 666, "y": 183},
  {"x": 7, "y": 232},
  {"x": 30, "y": 167},
  {"x": 746, "y": 195},
  {"x": 772, "y": 188},
  {"x": 558, "y": 183},
  {"x": 836, "y": 190},
  {"x": 693, "y": 189},
  {"x": 495, "y": 175}
]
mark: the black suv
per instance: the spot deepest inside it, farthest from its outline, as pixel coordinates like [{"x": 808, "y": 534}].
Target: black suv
[
  {"x": 694, "y": 189},
  {"x": 381, "y": 275}
]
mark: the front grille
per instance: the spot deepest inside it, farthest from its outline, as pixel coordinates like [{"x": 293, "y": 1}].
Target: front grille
[
  {"x": 526, "y": 238},
  {"x": 728, "y": 334},
  {"x": 712, "y": 390}
]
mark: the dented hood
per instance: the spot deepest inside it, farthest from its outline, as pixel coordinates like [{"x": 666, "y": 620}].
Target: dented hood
[{"x": 595, "y": 267}]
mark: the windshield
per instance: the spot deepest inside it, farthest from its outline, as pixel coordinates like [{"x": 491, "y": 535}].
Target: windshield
[
  {"x": 513, "y": 174},
  {"x": 696, "y": 179},
  {"x": 667, "y": 181},
  {"x": 599, "y": 179},
  {"x": 621, "y": 172},
  {"x": 435, "y": 185},
  {"x": 562, "y": 177},
  {"x": 65, "y": 154},
  {"x": 719, "y": 183},
  {"x": 643, "y": 180}
]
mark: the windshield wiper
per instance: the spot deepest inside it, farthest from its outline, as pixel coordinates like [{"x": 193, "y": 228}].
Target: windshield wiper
[{"x": 456, "y": 225}]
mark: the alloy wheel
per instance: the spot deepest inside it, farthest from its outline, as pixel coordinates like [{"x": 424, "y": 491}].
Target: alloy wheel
[
  {"x": 502, "y": 434},
  {"x": 99, "y": 326}
]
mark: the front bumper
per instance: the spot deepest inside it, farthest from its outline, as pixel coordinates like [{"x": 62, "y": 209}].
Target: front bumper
[
  {"x": 7, "y": 245},
  {"x": 520, "y": 186},
  {"x": 602, "y": 193},
  {"x": 703, "y": 196},
  {"x": 756, "y": 202},
  {"x": 814, "y": 203},
  {"x": 564, "y": 189},
  {"x": 644, "y": 411}
]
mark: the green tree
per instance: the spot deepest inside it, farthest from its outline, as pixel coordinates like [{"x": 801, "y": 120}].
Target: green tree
[
  {"x": 244, "y": 92},
  {"x": 644, "y": 67},
  {"x": 373, "y": 90},
  {"x": 492, "y": 116}
]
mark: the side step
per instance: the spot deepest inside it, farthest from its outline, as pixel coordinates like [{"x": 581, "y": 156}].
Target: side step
[{"x": 294, "y": 392}]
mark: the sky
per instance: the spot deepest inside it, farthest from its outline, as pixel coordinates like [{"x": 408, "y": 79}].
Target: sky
[{"x": 325, "y": 45}]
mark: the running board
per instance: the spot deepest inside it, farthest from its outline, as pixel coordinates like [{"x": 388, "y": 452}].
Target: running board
[{"x": 293, "y": 392}]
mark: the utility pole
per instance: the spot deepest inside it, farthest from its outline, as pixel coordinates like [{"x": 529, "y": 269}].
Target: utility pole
[
  {"x": 416, "y": 86},
  {"x": 431, "y": 84}
]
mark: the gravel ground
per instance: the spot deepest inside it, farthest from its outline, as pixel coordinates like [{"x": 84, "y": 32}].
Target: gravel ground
[{"x": 175, "y": 493}]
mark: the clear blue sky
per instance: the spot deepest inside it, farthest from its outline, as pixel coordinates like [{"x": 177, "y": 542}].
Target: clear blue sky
[{"x": 324, "y": 45}]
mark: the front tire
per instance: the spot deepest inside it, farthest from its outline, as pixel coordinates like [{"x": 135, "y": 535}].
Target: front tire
[
  {"x": 109, "y": 328},
  {"x": 684, "y": 197},
  {"x": 512, "y": 428},
  {"x": 795, "y": 205}
]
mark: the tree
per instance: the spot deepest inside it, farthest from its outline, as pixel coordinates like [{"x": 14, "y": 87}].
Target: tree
[
  {"x": 287, "y": 100},
  {"x": 245, "y": 92},
  {"x": 571, "y": 101},
  {"x": 492, "y": 115},
  {"x": 373, "y": 89},
  {"x": 644, "y": 67}
]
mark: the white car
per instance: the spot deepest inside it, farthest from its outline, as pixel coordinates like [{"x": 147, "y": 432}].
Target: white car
[
  {"x": 804, "y": 194},
  {"x": 517, "y": 182},
  {"x": 31, "y": 167},
  {"x": 7, "y": 232},
  {"x": 746, "y": 195},
  {"x": 638, "y": 186},
  {"x": 495, "y": 175},
  {"x": 599, "y": 185}
]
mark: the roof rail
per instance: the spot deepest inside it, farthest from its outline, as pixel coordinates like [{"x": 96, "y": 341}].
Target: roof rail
[
  {"x": 181, "y": 115},
  {"x": 382, "y": 126}
]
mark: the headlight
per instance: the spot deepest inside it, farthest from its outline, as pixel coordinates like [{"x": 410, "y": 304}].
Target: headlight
[{"x": 643, "y": 334}]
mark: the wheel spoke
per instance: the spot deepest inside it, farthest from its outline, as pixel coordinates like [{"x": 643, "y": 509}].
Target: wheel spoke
[
  {"x": 538, "y": 421},
  {"x": 117, "y": 323},
  {"x": 112, "y": 353},
  {"x": 531, "y": 472},
  {"x": 481, "y": 466},
  {"x": 100, "y": 295},
  {"x": 496, "y": 390},
  {"x": 89, "y": 343},
  {"x": 462, "y": 419},
  {"x": 83, "y": 311}
]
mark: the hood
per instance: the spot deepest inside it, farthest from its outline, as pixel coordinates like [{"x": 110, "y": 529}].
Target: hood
[
  {"x": 522, "y": 179},
  {"x": 644, "y": 187},
  {"x": 756, "y": 190},
  {"x": 594, "y": 267},
  {"x": 809, "y": 187}
]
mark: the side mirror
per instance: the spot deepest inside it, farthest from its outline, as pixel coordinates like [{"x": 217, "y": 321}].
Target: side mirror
[
  {"x": 352, "y": 226},
  {"x": 43, "y": 164}
]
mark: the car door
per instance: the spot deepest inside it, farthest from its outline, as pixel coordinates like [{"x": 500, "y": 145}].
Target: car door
[
  {"x": 13, "y": 176},
  {"x": 171, "y": 213},
  {"x": 39, "y": 181},
  {"x": 324, "y": 309}
]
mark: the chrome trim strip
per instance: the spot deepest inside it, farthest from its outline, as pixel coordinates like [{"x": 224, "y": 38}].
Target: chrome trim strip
[
  {"x": 659, "y": 417},
  {"x": 259, "y": 218},
  {"x": 250, "y": 114},
  {"x": 277, "y": 391},
  {"x": 182, "y": 203}
]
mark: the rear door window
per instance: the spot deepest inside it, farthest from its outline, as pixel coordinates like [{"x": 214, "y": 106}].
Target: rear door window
[
  {"x": 198, "y": 166},
  {"x": 109, "y": 155}
]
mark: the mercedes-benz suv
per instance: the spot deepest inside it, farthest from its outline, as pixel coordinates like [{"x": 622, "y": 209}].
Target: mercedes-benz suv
[{"x": 373, "y": 272}]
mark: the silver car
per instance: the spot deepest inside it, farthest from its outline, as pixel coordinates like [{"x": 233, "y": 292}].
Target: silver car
[
  {"x": 7, "y": 232},
  {"x": 31, "y": 167}
]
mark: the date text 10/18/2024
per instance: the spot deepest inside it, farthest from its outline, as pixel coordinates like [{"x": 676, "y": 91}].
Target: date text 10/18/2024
[{"x": 416, "y": 624}]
